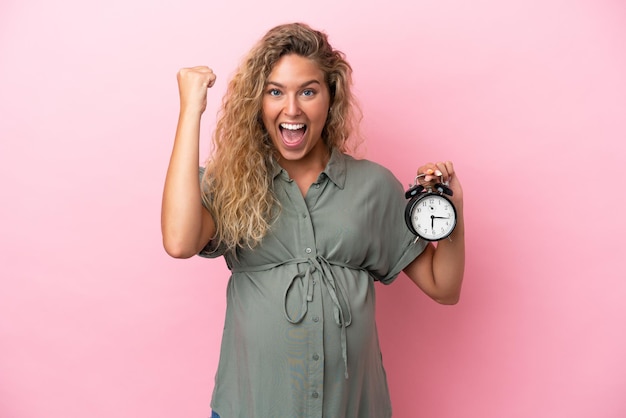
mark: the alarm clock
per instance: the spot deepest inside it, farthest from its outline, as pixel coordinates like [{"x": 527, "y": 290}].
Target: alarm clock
[{"x": 429, "y": 213}]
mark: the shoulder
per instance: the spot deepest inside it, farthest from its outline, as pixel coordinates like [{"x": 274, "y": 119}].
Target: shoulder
[{"x": 363, "y": 170}]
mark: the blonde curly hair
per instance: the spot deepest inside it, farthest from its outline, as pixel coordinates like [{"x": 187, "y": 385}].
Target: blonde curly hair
[{"x": 237, "y": 183}]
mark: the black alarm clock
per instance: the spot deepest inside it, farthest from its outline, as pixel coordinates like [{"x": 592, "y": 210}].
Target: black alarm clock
[{"x": 429, "y": 213}]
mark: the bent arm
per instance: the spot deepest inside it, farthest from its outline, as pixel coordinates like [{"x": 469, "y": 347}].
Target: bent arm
[
  {"x": 438, "y": 271},
  {"x": 186, "y": 225}
]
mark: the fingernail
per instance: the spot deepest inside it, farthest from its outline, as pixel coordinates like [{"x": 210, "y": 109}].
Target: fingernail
[
  {"x": 429, "y": 171},
  {"x": 428, "y": 178},
  {"x": 438, "y": 173}
]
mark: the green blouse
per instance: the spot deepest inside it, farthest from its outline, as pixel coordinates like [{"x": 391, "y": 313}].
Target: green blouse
[{"x": 300, "y": 336}]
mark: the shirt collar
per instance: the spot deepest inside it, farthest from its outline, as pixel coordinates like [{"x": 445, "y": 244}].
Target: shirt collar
[{"x": 335, "y": 169}]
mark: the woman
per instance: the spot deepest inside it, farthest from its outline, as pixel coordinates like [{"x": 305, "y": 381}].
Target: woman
[{"x": 305, "y": 229}]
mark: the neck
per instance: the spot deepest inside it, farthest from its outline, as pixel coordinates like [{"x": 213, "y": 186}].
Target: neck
[
  {"x": 314, "y": 162},
  {"x": 306, "y": 171}
]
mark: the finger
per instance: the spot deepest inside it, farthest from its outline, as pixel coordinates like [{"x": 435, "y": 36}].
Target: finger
[
  {"x": 442, "y": 171},
  {"x": 445, "y": 170},
  {"x": 211, "y": 80},
  {"x": 426, "y": 173},
  {"x": 207, "y": 75},
  {"x": 198, "y": 72}
]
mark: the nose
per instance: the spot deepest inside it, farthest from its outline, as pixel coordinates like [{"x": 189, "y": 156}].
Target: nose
[{"x": 292, "y": 106}]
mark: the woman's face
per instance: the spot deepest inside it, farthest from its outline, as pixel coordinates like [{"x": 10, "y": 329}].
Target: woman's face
[{"x": 295, "y": 107}]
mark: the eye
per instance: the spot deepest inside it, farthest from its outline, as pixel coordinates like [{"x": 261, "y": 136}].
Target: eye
[
  {"x": 274, "y": 92},
  {"x": 308, "y": 92}
]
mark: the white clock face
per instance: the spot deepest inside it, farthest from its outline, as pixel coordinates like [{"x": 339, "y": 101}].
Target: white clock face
[{"x": 433, "y": 217}]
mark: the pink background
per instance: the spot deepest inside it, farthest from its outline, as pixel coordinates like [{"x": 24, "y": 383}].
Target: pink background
[{"x": 528, "y": 98}]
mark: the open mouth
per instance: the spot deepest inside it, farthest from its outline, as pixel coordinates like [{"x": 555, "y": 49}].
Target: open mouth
[{"x": 292, "y": 133}]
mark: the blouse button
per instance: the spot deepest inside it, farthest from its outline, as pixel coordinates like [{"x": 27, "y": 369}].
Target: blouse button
[
  {"x": 308, "y": 251},
  {"x": 315, "y": 395},
  {"x": 316, "y": 357},
  {"x": 316, "y": 318}
]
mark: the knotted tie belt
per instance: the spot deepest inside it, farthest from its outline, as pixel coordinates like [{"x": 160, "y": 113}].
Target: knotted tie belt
[{"x": 341, "y": 306}]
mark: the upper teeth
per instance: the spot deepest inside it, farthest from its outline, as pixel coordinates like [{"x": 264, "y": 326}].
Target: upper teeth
[{"x": 292, "y": 126}]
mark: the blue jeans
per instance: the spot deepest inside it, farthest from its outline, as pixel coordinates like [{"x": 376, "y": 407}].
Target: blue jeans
[{"x": 214, "y": 415}]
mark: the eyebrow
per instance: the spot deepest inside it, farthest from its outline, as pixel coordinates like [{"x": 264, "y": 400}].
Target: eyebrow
[{"x": 307, "y": 83}]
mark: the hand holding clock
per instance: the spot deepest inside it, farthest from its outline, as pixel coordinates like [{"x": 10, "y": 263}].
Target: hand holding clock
[
  {"x": 430, "y": 174},
  {"x": 435, "y": 213}
]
